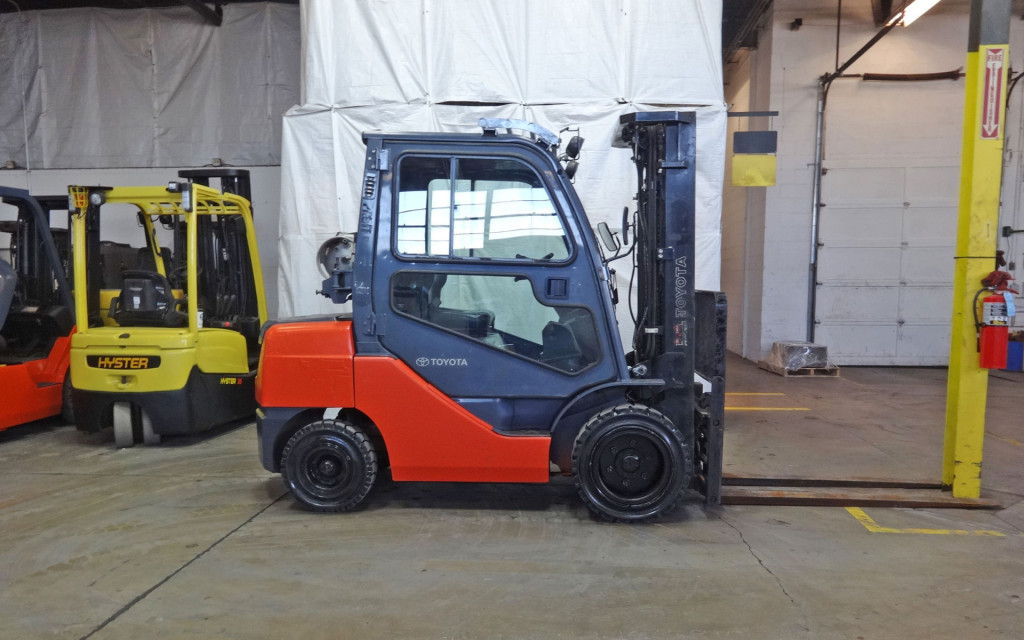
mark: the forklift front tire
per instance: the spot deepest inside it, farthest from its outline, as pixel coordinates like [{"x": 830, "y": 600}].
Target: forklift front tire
[
  {"x": 630, "y": 464},
  {"x": 329, "y": 465}
]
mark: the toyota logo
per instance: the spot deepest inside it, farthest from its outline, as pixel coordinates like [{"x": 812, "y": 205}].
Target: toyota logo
[{"x": 422, "y": 362}]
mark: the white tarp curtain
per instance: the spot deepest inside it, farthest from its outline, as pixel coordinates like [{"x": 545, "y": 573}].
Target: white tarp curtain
[
  {"x": 433, "y": 65},
  {"x": 98, "y": 88}
]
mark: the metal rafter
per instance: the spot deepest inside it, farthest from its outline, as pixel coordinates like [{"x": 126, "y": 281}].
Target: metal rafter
[{"x": 214, "y": 16}]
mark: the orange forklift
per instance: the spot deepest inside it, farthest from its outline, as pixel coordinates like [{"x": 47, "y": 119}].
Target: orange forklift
[
  {"x": 482, "y": 344},
  {"x": 36, "y": 311}
]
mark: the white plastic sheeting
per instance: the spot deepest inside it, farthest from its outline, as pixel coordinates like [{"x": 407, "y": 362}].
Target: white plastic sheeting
[
  {"x": 103, "y": 88},
  {"x": 433, "y": 65}
]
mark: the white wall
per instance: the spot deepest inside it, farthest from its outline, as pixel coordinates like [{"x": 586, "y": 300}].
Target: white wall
[
  {"x": 734, "y": 201},
  {"x": 266, "y": 198},
  {"x": 748, "y": 81},
  {"x": 890, "y": 190}
]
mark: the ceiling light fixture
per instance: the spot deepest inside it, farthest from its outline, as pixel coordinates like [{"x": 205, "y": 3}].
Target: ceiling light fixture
[{"x": 912, "y": 11}]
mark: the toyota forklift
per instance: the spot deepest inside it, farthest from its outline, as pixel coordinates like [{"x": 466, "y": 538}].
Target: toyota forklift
[
  {"x": 482, "y": 344},
  {"x": 168, "y": 336},
  {"x": 36, "y": 311}
]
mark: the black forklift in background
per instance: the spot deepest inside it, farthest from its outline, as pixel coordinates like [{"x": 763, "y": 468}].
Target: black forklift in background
[{"x": 482, "y": 345}]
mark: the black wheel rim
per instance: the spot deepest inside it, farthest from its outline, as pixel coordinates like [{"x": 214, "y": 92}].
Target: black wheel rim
[
  {"x": 631, "y": 467},
  {"x": 327, "y": 470}
]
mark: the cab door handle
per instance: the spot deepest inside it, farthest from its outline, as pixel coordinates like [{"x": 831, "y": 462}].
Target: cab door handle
[{"x": 557, "y": 288}]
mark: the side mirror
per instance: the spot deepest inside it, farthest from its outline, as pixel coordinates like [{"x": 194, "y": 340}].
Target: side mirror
[
  {"x": 570, "y": 168},
  {"x": 572, "y": 150},
  {"x": 607, "y": 237}
]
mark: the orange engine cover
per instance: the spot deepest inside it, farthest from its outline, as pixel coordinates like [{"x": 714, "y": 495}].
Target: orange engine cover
[
  {"x": 306, "y": 364},
  {"x": 431, "y": 438}
]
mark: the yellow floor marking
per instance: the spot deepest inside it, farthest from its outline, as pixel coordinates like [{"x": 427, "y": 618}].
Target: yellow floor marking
[
  {"x": 767, "y": 409},
  {"x": 1015, "y": 443},
  {"x": 874, "y": 527},
  {"x": 752, "y": 393}
]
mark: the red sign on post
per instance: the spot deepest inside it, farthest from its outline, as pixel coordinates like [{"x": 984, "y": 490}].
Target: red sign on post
[{"x": 991, "y": 104}]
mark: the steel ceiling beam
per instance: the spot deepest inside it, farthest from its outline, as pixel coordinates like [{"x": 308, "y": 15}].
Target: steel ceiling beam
[
  {"x": 214, "y": 16},
  {"x": 739, "y": 21}
]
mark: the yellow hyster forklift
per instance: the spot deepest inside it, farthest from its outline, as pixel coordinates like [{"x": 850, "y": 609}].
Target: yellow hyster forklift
[{"x": 167, "y": 340}]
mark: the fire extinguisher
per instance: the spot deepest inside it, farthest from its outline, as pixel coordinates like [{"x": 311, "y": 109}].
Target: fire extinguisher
[
  {"x": 994, "y": 332},
  {"x": 994, "y": 326}
]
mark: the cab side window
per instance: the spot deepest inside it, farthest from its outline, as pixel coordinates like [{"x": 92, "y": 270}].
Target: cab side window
[
  {"x": 476, "y": 208},
  {"x": 502, "y": 312}
]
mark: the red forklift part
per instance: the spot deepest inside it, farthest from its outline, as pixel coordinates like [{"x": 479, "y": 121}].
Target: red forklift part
[
  {"x": 37, "y": 323},
  {"x": 34, "y": 389},
  {"x": 430, "y": 438},
  {"x": 306, "y": 364}
]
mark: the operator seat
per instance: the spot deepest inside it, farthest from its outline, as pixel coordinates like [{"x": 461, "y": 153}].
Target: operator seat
[
  {"x": 580, "y": 323},
  {"x": 418, "y": 294},
  {"x": 434, "y": 295},
  {"x": 8, "y": 283},
  {"x": 560, "y": 348},
  {"x": 146, "y": 300},
  {"x": 30, "y": 332}
]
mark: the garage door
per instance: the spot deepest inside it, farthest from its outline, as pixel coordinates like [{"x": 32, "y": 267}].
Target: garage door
[{"x": 885, "y": 266}]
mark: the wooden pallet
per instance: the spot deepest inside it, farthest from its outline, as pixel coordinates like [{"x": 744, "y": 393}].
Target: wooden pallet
[{"x": 823, "y": 372}]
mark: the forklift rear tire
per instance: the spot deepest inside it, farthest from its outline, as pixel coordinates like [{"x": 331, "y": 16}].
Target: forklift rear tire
[
  {"x": 67, "y": 405},
  {"x": 329, "y": 465},
  {"x": 124, "y": 429},
  {"x": 631, "y": 464},
  {"x": 132, "y": 426}
]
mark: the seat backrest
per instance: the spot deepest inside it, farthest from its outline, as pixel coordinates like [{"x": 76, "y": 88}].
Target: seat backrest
[
  {"x": 411, "y": 293},
  {"x": 581, "y": 323},
  {"x": 147, "y": 300},
  {"x": 434, "y": 293},
  {"x": 560, "y": 349},
  {"x": 8, "y": 281},
  {"x": 139, "y": 294},
  {"x": 30, "y": 332}
]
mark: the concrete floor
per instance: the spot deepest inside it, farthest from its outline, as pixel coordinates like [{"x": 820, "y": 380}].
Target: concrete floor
[{"x": 194, "y": 539}]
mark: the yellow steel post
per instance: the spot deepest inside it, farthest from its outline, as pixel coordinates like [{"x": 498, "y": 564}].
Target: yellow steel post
[
  {"x": 80, "y": 198},
  {"x": 980, "y": 181}
]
